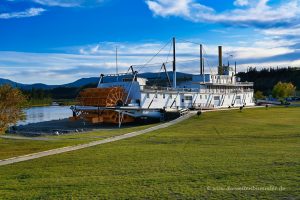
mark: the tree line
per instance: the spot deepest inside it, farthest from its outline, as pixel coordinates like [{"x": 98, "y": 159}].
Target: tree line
[
  {"x": 55, "y": 93},
  {"x": 266, "y": 78}
]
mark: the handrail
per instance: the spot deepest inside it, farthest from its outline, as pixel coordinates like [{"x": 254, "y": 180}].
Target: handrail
[{"x": 203, "y": 91}]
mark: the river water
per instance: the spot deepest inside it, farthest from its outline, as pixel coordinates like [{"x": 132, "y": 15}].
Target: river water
[{"x": 45, "y": 113}]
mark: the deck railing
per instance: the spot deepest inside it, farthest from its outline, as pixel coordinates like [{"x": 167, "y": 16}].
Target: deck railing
[{"x": 203, "y": 91}]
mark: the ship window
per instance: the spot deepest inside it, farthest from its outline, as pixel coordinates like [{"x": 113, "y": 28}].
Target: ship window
[
  {"x": 200, "y": 96},
  {"x": 188, "y": 98},
  {"x": 170, "y": 96},
  {"x": 205, "y": 96},
  {"x": 127, "y": 79},
  {"x": 155, "y": 95},
  {"x": 182, "y": 100},
  {"x": 148, "y": 95},
  {"x": 164, "y": 96}
]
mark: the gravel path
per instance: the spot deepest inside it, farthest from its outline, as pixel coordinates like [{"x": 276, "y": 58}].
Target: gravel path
[{"x": 99, "y": 142}]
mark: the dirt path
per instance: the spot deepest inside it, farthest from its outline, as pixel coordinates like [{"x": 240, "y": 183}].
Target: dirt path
[{"x": 90, "y": 144}]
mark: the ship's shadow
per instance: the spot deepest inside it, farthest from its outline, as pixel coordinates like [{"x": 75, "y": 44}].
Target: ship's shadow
[{"x": 65, "y": 126}]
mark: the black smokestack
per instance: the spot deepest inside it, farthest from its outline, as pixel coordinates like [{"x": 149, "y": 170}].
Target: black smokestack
[
  {"x": 220, "y": 57},
  {"x": 220, "y": 68}
]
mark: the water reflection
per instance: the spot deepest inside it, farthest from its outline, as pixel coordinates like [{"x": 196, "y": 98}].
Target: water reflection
[{"x": 46, "y": 113}]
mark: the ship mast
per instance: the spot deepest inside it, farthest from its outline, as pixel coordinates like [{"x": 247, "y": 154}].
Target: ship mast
[
  {"x": 117, "y": 71},
  {"x": 174, "y": 63},
  {"x": 235, "y": 67},
  {"x": 201, "y": 60}
]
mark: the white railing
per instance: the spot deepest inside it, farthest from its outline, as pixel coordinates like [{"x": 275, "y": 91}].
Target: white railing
[
  {"x": 244, "y": 83},
  {"x": 158, "y": 89},
  {"x": 202, "y": 91}
]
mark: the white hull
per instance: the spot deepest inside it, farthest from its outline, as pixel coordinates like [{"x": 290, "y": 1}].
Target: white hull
[{"x": 182, "y": 100}]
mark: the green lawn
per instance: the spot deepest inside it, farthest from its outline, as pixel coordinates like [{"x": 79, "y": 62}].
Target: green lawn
[
  {"x": 11, "y": 147},
  {"x": 296, "y": 103},
  {"x": 256, "y": 148}
]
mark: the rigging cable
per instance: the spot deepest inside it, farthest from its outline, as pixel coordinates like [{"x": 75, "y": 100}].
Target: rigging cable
[
  {"x": 159, "y": 64},
  {"x": 187, "y": 41},
  {"x": 160, "y": 71},
  {"x": 206, "y": 60},
  {"x": 139, "y": 69}
]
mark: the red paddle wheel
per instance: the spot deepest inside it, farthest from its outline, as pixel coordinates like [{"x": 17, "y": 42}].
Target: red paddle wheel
[{"x": 104, "y": 100}]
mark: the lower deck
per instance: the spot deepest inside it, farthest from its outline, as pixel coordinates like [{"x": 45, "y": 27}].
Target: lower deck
[{"x": 180, "y": 100}]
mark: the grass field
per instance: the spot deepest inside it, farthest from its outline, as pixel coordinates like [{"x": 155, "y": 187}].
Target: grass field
[
  {"x": 196, "y": 159},
  {"x": 296, "y": 103},
  {"x": 11, "y": 147}
]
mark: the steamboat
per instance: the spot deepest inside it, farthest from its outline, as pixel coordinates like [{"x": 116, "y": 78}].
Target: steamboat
[{"x": 123, "y": 98}]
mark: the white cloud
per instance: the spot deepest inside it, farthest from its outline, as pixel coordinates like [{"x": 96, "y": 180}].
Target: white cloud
[
  {"x": 181, "y": 8},
  {"x": 69, "y": 3},
  {"x": 51, "y": 68},
  {"x": 85, "y": 61},
  {"x": 27, "y": 13},
  {"x": 65, "y": 3},
  {"x": 109, "y": 48},
  {"x": 61, "y": 3},
  {"x": 91, "y": 60},
  {"x": 93, "y": 50},
  {"x": 267, "y": 64},
  {"x": 241, "y": 3},
  {"x": 276, "y": 35},
  {"x": 258, "y": 52},
  {"x": 258, "y": 13},
  {"x": 286, "y": 31}
]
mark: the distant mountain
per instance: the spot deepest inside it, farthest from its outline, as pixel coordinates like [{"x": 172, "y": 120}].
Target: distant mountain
[
  {"x": 38, "y": 86},
  {"x": 92, "y": 80},
  {"x": 162, "y": 75},
  {"x": 26, "y": 86},
  {"x": 81, "y": 82},
  {"x": 6, "y": 81}
]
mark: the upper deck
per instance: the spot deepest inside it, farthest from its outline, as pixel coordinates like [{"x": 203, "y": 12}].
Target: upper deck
[
  {"x": 220, "y": 80},
  {"x": 195, "y": 90}
]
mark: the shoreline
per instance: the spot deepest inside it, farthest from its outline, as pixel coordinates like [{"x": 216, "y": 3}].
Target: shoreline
[{"x": 62, "y": 126}]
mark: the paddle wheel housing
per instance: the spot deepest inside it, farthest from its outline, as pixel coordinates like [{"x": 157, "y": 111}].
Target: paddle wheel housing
[{"x": 103, "y": 99}]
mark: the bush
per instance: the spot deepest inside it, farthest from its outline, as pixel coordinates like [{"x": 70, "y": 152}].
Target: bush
[
  {"x": 283, "y": 90},
  {"x": 11, "y": 103},
  {"x": 259, "y": 95}
]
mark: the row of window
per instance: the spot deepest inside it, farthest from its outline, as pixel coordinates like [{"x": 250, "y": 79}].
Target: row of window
[
  {"x": 156, "y": 95},
  {"x": 186, "y": 97},
  {"x": 170, "y": 96}
]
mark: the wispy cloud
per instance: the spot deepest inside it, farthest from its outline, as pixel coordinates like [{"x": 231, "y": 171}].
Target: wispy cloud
[
  {"x": 67, "y": 3},
  {"x": 60, "y": 3},
  {"x": 31, "y": 12},
  {"x": 241, "y": 3},
  {"x": 275, "y": 41},
  {"x": 257, "y": 13},
  {"x": 51, "y": 68},
  {"x": 91, "y": 60},
  {"x": 22, "y": 14},
  {"x": 283, "y": 31}
]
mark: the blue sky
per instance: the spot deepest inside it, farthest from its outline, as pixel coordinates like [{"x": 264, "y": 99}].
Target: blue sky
[{"x": 59, "y": 41}]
